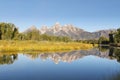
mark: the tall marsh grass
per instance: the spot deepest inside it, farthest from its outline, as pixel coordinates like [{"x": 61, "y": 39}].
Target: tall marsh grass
[{"x": 41, "y": 46}]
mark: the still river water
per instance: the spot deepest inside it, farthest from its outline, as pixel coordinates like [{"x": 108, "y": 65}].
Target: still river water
[{"x": 94, "y": 64}]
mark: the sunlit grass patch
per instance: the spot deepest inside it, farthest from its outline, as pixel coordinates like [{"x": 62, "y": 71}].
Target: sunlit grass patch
[{"x": 41, "y": 46}]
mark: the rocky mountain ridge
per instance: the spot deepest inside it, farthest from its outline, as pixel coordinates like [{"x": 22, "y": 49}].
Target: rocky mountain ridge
[{"x": 71, "y": 31}]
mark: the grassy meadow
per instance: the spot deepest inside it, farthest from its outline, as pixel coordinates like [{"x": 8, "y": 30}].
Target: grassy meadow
[{"x": 41, "y": 46}]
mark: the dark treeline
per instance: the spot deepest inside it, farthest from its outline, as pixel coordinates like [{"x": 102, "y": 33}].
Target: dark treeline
[
  {"x": 9, "y": 31},
  {"x": 88, "y": 41},
  {"x": 117, "y": 36},
  {"x": 114, "y": 38},
  {"x": 103, "y": 40}
]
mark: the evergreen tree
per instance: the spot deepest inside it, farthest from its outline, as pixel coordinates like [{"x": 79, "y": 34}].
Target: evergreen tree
[
  {"x": 103, "y": 40},
  {"x": 117, "y": 36}
]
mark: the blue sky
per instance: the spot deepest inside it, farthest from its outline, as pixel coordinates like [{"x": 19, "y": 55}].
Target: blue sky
[{"x": 90, "y": 15}]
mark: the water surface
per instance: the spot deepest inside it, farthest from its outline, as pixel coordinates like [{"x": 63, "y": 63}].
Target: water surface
[{"x": 94, "y": 64}]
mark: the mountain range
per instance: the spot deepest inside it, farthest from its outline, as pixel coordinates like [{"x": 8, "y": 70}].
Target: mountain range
[{"x": 71, "y": 31}]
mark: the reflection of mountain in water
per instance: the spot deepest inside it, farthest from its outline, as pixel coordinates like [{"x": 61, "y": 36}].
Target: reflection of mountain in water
[
  {"x": 71, "y": 56},
  {"x": 110, "y": 53},
  {"x": 7, "y": 58}
]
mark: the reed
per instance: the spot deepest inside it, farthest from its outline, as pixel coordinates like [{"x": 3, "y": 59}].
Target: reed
[{"x": 41, "y": 46}]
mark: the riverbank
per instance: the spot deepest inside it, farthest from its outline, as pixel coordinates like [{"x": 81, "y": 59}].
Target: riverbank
[
  {"x": 41, "y": 46},
  {"x": 115, "y": 44},
  {"x": 111, "y": 44}
]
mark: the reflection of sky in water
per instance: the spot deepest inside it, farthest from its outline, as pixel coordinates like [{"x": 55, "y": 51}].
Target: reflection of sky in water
[{"x": 87, "y": 67}]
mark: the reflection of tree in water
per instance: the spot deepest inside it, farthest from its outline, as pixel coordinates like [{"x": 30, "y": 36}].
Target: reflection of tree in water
[
  {"x": 103, "y": 48},
  {"x": 8, "y": 58},
  {"x": 116, "y": 54}
]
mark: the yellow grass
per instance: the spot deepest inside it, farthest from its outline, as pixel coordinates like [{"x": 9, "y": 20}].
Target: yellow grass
[{"x": 41, "y": 46}]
